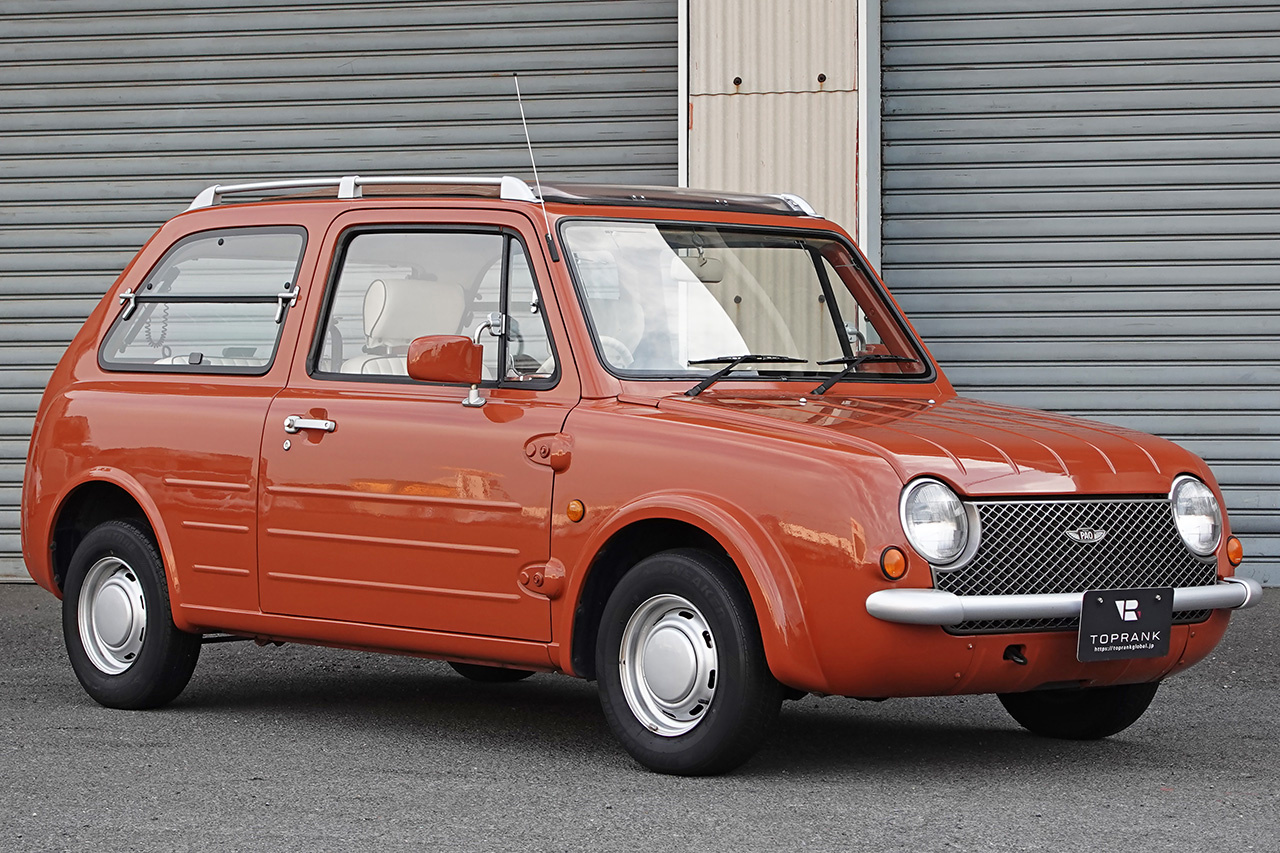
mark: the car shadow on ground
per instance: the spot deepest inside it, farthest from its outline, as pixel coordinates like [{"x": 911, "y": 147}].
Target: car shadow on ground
[{"x": 404, "y": 698}]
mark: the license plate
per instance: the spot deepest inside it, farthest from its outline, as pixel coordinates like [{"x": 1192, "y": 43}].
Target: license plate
[{"x": 1125, "y": 623}]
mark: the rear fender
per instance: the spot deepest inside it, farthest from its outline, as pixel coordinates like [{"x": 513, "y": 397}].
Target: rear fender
[{"x": 136, "y": 491}]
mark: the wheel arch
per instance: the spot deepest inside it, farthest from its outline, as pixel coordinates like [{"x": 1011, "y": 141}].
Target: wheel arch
[
  {"x": 663, "y": 522},
  {"x": 106, "y": 495}
]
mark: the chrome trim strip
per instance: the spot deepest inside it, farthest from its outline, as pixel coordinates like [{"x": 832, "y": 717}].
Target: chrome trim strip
[{"x": 936, "y": 607}]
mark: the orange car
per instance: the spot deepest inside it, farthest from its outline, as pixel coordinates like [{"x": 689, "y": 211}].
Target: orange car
[{"x": 680, "y": 442}]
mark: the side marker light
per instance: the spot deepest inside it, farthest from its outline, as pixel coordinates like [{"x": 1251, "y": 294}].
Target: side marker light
[
  {"x": 1235, "y": 551},
  {"x": 893, "y": 563}
]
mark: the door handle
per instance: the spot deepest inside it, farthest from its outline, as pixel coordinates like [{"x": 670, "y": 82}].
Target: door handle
[{"x": 297, "y": 423}]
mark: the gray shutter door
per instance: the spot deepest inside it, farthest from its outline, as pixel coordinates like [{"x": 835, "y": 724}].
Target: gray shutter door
[
  {"x": 115, "y": 113},
  {"x": 1080, "y": 212}
]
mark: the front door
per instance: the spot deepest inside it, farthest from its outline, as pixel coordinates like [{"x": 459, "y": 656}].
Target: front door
[{"x": 394, "y": 503}]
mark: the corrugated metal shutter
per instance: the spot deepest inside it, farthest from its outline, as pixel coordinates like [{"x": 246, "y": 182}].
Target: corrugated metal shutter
[
  {"x": 1080, "y": 211},
  {"x": 115, "y": 114}
]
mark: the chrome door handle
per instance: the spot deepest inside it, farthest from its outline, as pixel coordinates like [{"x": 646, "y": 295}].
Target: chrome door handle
[{"x": 297, "y": 423}]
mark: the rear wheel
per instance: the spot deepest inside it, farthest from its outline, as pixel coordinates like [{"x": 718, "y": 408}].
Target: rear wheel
[
  {"x": 117, "y": 622},
  {"x": 682, "y": 674},
  {"x": 490, "y": 674},
  {"x": 1085, "y": 713}
]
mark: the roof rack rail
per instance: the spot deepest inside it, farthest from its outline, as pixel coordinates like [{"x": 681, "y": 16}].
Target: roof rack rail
[
  {"x": 798, "y": 204},
  {"x": 511, "y": 189}
]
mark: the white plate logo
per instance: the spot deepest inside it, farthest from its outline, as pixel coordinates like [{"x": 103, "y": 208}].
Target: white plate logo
[
  {"x": 1128, "y": 609},
  {"x": 1086, "y": 535}
]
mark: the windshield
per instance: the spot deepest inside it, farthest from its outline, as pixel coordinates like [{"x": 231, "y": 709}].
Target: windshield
[{"x": 662, "y": 297}]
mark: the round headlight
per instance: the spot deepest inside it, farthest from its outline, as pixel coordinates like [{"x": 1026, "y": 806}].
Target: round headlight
[
  {"x": 935, "y": 521},
  {"x": 1196, "y": 511}
]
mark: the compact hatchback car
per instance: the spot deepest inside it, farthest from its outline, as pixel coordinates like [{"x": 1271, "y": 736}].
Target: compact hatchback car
[{"x": 683, "y": 443}]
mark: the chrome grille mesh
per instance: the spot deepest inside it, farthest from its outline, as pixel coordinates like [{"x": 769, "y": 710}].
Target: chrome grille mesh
[{"x": 1024, "y": 550}]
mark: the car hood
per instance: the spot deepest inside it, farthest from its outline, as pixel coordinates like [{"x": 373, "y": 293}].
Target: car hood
[{"x": 981, "y": 448}]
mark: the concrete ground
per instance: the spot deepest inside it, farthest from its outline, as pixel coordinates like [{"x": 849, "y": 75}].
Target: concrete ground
[{"x": 307, "y": 749}]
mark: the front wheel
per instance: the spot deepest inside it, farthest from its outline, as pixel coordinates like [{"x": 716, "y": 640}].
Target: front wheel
[
  {"x": 117, "y": 624},
  {"x": 1083, "y": 713},
  {"x": 682, "y": 674}
]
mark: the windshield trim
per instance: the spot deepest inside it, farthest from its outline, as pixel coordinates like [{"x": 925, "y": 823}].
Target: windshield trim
[{"x": 929, "y": 376}]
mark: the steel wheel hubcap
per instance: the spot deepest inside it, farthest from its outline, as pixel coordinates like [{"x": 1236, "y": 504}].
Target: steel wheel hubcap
[
  {"x": 112, "y": 615},
  {"x": 668, "y": 665}
]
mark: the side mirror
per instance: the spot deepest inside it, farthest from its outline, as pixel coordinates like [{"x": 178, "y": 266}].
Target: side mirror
[{"x": 446, "y": 358}]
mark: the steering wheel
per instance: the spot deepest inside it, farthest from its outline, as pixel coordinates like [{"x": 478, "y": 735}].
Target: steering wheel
[{"x": 616, "y": 352}]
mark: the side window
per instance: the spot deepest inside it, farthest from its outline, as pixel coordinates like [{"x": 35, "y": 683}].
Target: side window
[
  {"x": 215, "y": 303},
  {"x": 858, "y": 329},
  {"x": 529, "y": 353},
  {"x": 393, "y": 287}
]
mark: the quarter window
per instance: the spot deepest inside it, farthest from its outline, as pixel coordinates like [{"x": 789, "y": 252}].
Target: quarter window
[
  {"x": 215, "y": 303},
  {"x": 393, "y": 287}
]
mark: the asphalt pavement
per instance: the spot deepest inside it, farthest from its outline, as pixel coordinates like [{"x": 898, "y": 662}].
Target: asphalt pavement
[{"x": 307, "y": 749}]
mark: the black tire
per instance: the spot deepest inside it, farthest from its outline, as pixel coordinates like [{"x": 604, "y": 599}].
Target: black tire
[
  {"x": 1086, "y": 713},
  {"x": 742, "y": 696},
  {"x": 490, "y": 674},
  {"x": 154, "y": 663}
]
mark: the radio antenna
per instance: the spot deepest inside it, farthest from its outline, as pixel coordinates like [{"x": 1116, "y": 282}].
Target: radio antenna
[{"x": 546, "y": 220}]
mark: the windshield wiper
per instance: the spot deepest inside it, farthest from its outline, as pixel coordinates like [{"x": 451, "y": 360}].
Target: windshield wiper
[
  {"x": 853, "y": 362},
  {"x": 732, "y": 361}
]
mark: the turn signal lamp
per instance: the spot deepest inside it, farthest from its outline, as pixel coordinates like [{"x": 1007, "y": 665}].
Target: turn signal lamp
[
  {"x": 893, "y": 563},
  {"x": 576, "y": 511},
  {"x": 1235, "y": 551}
]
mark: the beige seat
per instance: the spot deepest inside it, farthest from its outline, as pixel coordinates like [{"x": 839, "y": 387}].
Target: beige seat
[{"x": 397, "y": 310}]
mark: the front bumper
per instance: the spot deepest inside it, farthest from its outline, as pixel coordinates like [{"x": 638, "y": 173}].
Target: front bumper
[{"x": 936, "y": 607}]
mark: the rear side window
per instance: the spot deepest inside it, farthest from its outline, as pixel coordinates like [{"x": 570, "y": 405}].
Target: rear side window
[{"x": 215, "y": 303}]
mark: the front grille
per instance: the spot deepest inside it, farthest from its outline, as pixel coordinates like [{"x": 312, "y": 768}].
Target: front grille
[{"x": 1024, "y": 549}]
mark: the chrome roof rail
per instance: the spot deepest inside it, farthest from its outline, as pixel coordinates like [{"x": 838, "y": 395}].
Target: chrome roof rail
[
  {"x": 511, "y": 189},
  {"x": 798, "y": 204}
]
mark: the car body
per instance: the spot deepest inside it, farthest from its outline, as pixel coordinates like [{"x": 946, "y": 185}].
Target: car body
[{"x": 450, "y": 417}]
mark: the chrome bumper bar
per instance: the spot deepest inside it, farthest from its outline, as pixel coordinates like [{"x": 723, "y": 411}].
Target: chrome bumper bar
[{"x": 936, "y": 607}]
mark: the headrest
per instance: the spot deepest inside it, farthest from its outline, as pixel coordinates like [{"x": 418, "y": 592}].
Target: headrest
[{"x": 397, "y": 310}]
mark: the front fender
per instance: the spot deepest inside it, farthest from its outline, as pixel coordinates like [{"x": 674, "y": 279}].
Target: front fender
[{"x": 769, "y": 577}]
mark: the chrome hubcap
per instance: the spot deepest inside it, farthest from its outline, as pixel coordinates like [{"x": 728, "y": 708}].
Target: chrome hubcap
[
  {"x": 668, "y": 665},
  {"x": 112, "y": 615}
]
